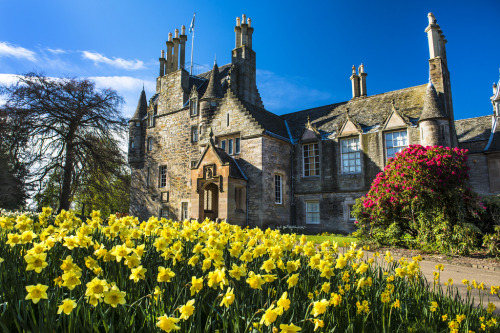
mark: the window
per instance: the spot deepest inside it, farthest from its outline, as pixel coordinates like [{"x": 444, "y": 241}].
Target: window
[
  {"x": 137, "y": 124},
  {"x": 278, "y": 197},
  {"x": 311, "y": 159},
  {"x": 148, "y": 176},
  {"x": 184, "y": 210},
  {"x": 164, "y": 196},
  {"x": 312, "y": 212},
  {"x": 350, "y": 156},
  {"x": 230, "y": 141},
  {"x": 208, "y": 200},
  {"x": 213, "y": 103},
  {"x": 150, "y": 144},
  {"x": 193, "y": 106},
  {"x": 164, "y": 212},
  {"x": 223, "y": 145},
  {"x": 163, "y": 176},
  {"x": 227, "y": 120},
  {"x": 194, "y": 134},
  {"x": 151, "y": 119},
  {"x": 395, "y": 142},
  {"x": 237, "y": 145},
  {"x": 351, "y": 217},
  {"x": 132, "y": 144},
  {"x": 238, "y": 197}
]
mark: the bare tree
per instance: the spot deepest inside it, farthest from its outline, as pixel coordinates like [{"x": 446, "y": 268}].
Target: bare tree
[{"x": 68, "y": 120}]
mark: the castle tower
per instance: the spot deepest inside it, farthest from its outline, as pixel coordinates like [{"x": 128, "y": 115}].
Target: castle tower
[
  {"x": 434, "y": 123},
  {"x": 213, "y": 94},
  {"x": 438, "y": 71},
  {"x": 173, "y": 79},
  {"x": 243, "y": 73},
  {"x": 136, "y": 132}
]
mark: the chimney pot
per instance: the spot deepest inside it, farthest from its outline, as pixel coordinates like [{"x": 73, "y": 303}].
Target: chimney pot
[
  {"x": 249, "y": 22},
  {"x": 353, "y": 69},
  {"x": 163, "y": 53},
  {"x": 169, "y": 36},
  {"x": 183, "y": 30},
  {"x": 243, "y": 18},
  {"x": 238, "y": 23},
  {"x": 432, "y": 18},
  {"x": 176, "y": 33}
]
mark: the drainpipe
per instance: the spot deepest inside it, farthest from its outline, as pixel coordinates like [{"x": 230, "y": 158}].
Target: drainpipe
[
  {"x": 292, "y": 201},
  {"x": 246, "y": 204}
]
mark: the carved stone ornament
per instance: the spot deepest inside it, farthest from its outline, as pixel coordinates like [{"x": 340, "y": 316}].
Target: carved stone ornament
[{"x": 209, "y": 171}]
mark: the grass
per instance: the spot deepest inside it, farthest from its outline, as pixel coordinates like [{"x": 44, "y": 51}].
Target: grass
[{"x": 334, "y": 238}]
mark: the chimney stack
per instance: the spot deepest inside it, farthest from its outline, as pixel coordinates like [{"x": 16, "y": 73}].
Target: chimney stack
[
  {"x": 162, "y": 63},
  {"x": 243, "y": 31},
  {"x": 355, "y": 83},
  {"x": 183, "y": 38},
  {"x": 175, "y": 62},
  {"x": 170, "y": 44},
  {"x": 362, "y": 80},
  {"x": 436, "y": 39}
]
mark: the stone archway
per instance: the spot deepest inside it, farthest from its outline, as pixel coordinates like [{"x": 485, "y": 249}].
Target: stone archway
[{"x": 209, "y": 196}]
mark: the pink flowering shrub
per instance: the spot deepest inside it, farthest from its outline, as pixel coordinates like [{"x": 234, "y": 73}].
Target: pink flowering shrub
[{"x": 422, "y": 199}]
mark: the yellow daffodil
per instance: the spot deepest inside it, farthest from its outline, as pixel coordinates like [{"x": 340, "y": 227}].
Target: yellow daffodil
[
  {"x": 269, "y": 316},
  {"x": 187, "y": 310},
  {"x": 36, "y": 262},
  {"x": 168, "y": 324},
  {"x": 289, "y": 328},
  {"x": 36, "y": 293},
  {"x": 164, "y": 274},
  {"x": 228, "y": 298},
  {"x": 320, "y": 307},
  {"x": 293, "y": 280},
  {"x": 67, "y": 306},
  {"x": 138, "y": 274},
  {"x": 114, "y": 297}
]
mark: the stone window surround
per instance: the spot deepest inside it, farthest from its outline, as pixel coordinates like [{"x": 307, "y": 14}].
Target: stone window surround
[
  {"x": 340, "y": 140},
  {"x": 150, "y": 143},
  {"x": 193, "y": 107},
  {"x": 235, "y": 137},
  {"x": 346, "y": 205},
  {"x": 194, "y": 134},
  {"x": 306, "y": 207},
  {"x": 184, "y": 210},
  {"x": 162, "y": 177},
  {"x": 280, "y": 177},
  {"x": 303, "y": 159},
  {"x": 393, "y": 130},
  {"x": 163, "y": 212}
]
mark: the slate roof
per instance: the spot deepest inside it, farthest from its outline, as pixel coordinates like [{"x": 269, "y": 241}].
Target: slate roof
[
  {"x": 368, "y": 112},
  {"x": 201, "y": 81},
  {"x": 234, "y": 169},
  {"x": 142, "y": 107},
  {"x": 214, "y": 88},
  {"x": 269, "y": 121},
  {"x": 473, "y": 133},
  {"x": 432, "y": 106}
]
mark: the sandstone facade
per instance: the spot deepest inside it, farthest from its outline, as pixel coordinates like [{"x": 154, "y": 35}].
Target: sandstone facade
[{"x": 205, "y": 147}]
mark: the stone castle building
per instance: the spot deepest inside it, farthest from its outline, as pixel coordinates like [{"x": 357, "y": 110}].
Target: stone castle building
[{"x": 204, "y": 146}]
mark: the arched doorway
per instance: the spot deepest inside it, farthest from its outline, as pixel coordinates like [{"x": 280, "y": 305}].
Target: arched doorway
[{"x": 211, "y": 201}]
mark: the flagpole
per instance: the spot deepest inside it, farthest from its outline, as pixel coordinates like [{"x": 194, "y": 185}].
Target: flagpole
[{"x": 192, "y": 43}]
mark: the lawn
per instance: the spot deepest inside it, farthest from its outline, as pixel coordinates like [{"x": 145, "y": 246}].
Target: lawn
[{"x": 340, "y": 239}]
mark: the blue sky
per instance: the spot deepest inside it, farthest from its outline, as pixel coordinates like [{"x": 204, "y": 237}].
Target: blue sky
[{"x": 305, "y": 50}]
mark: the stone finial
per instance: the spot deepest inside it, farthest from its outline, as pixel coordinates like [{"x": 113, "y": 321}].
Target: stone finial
[
  {"x": 176, "y": 33},
  {"x": 238, "y": 21},
  {"x": 432, "y": 18},
  {"x": 162, "y": 53},
  {"x": 361, "y": 68},
  {"x": 249, "y": 20},
  {"x": 243, "y": 18},
  {"x": 183, "y": 30},
  {"x": 353, "y": 69},
  {"x": 169, "y": 36}
]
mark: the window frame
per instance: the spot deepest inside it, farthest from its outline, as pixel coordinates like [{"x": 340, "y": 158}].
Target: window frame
[
  {"x": 308, "y": 211},
  {"x": 194, "y": 137},
  {"x": 162, "y": 176},
  {"x": 223, "y": 145},
  {"x": 230, "y": 146},
  {"x": 148, "y": 177},
  {"x": 318, "y": 162},
  {"x": 356, "y": 153},
  {"x": 403, "y": 147},
  {"x": 237, "y": 146},
  {"x": 150, "y": 143},
  {"x": 161, "y": 214},
  {"x": 184, "y": 212},
  {"x": 278, "y": 189},
  {"x": 193, "y": 107}
]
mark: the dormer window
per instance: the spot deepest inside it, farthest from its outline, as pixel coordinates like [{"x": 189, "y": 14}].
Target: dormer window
[{"x": 193, "y": 106}]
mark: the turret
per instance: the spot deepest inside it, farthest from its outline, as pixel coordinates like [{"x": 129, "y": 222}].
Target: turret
[
  {"x": 438, "y": 71},
  {"x": 136, "y": 132},
  {"x": 213, "y": 94},
  {"x": 434, "y": 123},
  {"x": 243, "y": 73}
]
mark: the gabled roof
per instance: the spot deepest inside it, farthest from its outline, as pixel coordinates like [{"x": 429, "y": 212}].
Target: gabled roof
[
  {"x": 225, "y": 159},
  {"x": 369, "y": 112},
  {"x": 267, "y": 120},
  {"x": 142, "y": 107}
]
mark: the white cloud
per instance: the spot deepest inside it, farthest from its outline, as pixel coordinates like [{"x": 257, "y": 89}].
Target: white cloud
[
  {"x": 56, "y": 51},
  {"x": 9, "y": 50},
  {"x": 287, "y": 94},
  {"x": 127, "y": 87},
  {"x": 7, "y": 79},
  {"x": 116, "y": 62}
]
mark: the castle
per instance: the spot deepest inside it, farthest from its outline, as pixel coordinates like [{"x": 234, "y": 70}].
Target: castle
[{"x": 204, "y": 146}]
